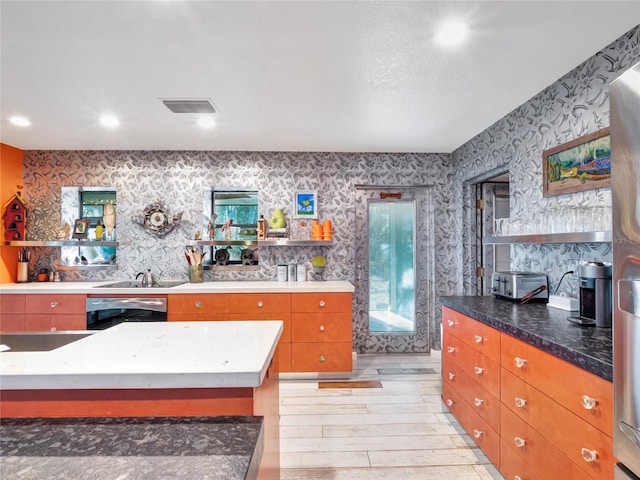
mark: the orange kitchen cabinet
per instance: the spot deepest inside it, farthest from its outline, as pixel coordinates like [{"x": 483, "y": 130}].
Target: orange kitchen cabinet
[
  {"x": 50, "y": 312},
  {"x": 197, "y": 307},
  {"x": 266, "y": 306},
  {"x": 318, "y": 327},
  {"x": 321, "y": 302},
  {"x": 321, "y": 357},
  {"x": 480, "y": 337},
  {"x": 12, "y": 313},
  {"x": 581, "y": 392}
]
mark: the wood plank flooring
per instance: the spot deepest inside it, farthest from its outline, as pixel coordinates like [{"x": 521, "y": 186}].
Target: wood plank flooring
[{"x": 399, "y": 431}]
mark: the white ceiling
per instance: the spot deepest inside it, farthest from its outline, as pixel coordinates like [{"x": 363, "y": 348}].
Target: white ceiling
[{"x": 285, "y": 76}]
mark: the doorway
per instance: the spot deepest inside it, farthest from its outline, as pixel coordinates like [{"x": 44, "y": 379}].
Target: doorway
[{"x": 394, "y": 264}]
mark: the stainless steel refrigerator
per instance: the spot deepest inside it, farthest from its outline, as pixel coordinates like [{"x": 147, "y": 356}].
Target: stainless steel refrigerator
[{"x": 625, "y": 177}]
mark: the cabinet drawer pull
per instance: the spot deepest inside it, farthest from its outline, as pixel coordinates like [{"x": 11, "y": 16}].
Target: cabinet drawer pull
[
  {"x": 54, "y": 304},
  {"x": 589, "y": 456},
  {"x": 520, "y": 442},
  {"x": 322, "y": 358},
  {"x": 260, "y": 304},
  {"x": 451, "y": 376},
  {"x": 478, "y": 402},
  {"x": 53, "y": 329},
  {"x": 478, "y": 370},
  {"x": 321, "y": 303},
  {"x": 451, "y": 349},
  {"x": 479, "y": 339},
  {"x": 477, "y": 433},
  {"x": 322, "y": 328},
  {"x": 517, "y": 477},
  {"x": 589, "y": 402},
  {"x": 520, "y": 362},
  {"x": 449, "y": 402},
  {"x": 451, "y": 323},
  {"x": 520, "y": 402},
  {"x": 198, "y": 304}
]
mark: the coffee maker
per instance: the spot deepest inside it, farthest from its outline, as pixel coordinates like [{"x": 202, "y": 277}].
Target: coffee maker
[{"x": 595, "y": 294}]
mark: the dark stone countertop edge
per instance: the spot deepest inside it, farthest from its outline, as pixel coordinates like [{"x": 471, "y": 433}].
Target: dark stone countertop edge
[{"x": 599, "y": 367}]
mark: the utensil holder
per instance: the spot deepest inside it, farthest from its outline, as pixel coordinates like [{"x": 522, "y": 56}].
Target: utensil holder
[
  {"x": 196, "y": 273},
  {"x": 23, "y": 272}
]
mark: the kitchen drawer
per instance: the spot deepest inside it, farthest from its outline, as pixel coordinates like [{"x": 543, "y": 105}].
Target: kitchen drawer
[
  {"x": 569, "y": 433},
  {"x": 198, "y": 304},
  {"x": 534, "y": 450},
  {"x": 10, "y": 322},
  {"x": 12, "y": 304},
  {"x": 481, "y": 337},
  {"x": 473, "y": 363},
  {"x": 197, "y": 317},
  {"x": 57, "y": 304},
  {"x": 479, "y": 399},
  {"x": 581, "y": 392},
  {"x": 285, "y": 317},
  {"x": 259, "y": 302},
  {"x": 512, "y": 466},
  {"x": 321, "y": 327},
  {"x": 486, "y": 438},
  {"x": 48, "y": 322},
  {"x": 321, "y": 357},
  {"x": 321, "y": 302},
  {"x": 284, "y": 356}
]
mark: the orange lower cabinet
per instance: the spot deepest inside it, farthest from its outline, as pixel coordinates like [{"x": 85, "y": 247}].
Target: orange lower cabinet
[
  {"x": 321, "y": 357},
  {"x": 284, "y": 356},
  {"x": 52, "y": 323},
  {"x": 10, "y": 322}
]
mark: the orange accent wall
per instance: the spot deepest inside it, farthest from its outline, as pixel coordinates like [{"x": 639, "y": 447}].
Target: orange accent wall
[{"x": 10, "y": 177}]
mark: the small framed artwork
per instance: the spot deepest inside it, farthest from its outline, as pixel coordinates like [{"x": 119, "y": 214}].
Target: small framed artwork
[
  {"x": 81, "y": 229},
  {"x": 305, "y": 204},
  {"x": 582, "y": 164}
]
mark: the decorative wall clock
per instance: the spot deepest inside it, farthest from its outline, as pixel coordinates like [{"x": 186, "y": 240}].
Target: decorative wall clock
[{"x": 158, "y": 219}]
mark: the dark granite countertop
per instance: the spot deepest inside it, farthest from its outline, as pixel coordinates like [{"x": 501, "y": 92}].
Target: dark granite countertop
[
  {"x": 590, "y": 348},
  {"x": 131, "y": 448}
]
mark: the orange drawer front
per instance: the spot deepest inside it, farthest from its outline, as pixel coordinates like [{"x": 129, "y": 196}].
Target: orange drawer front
[
  {"x": 537, "y": 452},
  {"x": 319, "y": 327},
  {"x": 12, "y": 322},
  {"x": 12, "y": 304},
  {"x": 44, "y": 323},
  {"x": 474, "y": 364},
  {"x": 513, "y": 466},
  {"x": 284, "y": 356},
  {"x": 481, "y": 337},
  {"x": 321, "y": 302},
  {"x": 259, "y": 302},
  {"x": 199, "y": 304},
  {"x": 479, "y": 399},
  {"x": 56, "y": 304},
  {"x": 576, "y": 438},
  {"x": 583, "y": 393},
  {"x": 321, "y": 357},
  {"x": 285, "y": 317},
  {"x": 197, "y": 317},
  {"x": 486, "y": 438}
]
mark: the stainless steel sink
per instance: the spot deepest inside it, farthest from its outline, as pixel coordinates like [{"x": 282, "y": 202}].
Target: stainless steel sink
[{"x": 40, "y": 341}]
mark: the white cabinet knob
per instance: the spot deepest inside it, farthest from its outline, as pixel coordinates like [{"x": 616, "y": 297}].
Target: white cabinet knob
[
  {"x": 478, "y": 402},
  {"x": 478, "y": 370},
  {"x": 53, "y": 329},
  {"x": 449, "y": 402},
  {"x": 451, "y": 349},
  {"x": 54, "y": 304},
  {"x": 589, "y": 402},
  {"x": 520, "y": 362},
  {"x": 198, "y": 304},
  {"x": 589, "y": 456},
  {"x": 260, "y": 304},
  {"x": 520, "y": 442},
  {"x": 451, "y": 323},
  {"x": 322, "y": 358},
  {"x": 477, "y": 433},
  {"x": 478, "y": 339},
  {"x": 517, "y": 477},
  {"x": 520, "y": 402},
  {"x": 321, "y": 303},
  {"x": 322, "y": 328},
  {"x": 451, "y": 376}
]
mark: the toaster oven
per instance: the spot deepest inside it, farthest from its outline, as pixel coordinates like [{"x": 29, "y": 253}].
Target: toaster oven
[{"x": 520, "y": 286}]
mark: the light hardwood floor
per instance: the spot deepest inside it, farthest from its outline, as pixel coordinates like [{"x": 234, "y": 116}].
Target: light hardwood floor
[{"x": 400, "y": 431}]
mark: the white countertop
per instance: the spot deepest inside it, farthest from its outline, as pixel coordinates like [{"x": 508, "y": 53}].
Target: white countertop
[
  {"x": 150, "y": 355},
  {"x": 206, "y": 287}
]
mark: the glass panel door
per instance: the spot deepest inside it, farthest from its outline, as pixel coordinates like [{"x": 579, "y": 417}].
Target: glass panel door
[{"x": 391, "y": 267}]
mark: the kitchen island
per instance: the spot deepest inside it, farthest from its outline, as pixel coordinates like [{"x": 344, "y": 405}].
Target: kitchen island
[{"x": 172, "y": 369}]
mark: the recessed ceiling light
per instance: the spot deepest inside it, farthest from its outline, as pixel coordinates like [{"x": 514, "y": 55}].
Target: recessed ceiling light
[
  {"x": 452, "y": 32},
  {"x": 109, "y": 121},
  {"x": 206, "y": 121},
  {"x": 19, "y": 121}
]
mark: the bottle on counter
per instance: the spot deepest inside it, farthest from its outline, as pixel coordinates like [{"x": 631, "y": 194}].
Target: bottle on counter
[
  {"x": 262, "y": 228},
  {"x": 99, "y": 230}
]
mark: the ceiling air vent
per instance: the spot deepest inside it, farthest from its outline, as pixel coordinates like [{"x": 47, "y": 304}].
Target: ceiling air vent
[{"x": 201, "y": 105}]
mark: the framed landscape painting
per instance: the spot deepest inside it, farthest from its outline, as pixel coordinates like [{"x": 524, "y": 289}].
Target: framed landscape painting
[
  {"x": 582, "y": 164},
  {"x": 305, "y": 205}
]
